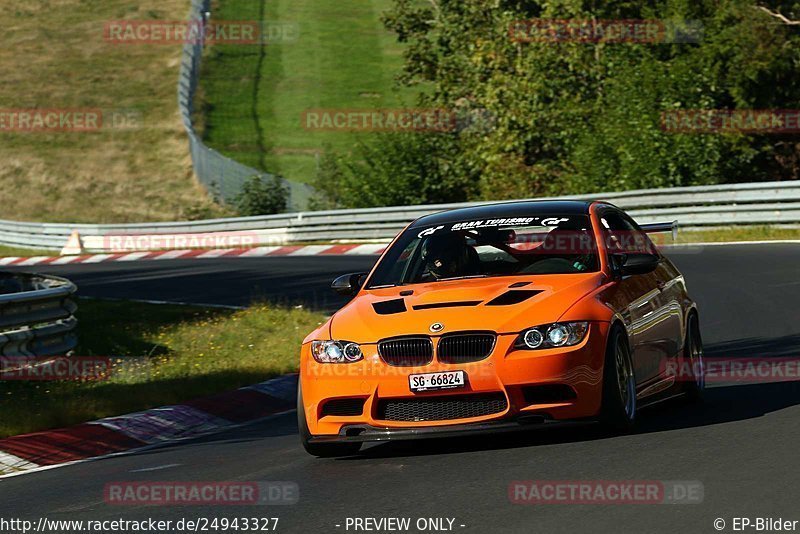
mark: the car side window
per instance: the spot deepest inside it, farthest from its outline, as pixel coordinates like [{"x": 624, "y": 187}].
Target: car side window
[{"x": 622, "y": 235}]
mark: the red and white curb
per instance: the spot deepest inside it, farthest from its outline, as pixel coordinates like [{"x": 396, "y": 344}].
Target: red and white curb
[
  {"x": 292, "y": 250},
  {"x": 257, "y": 252},
  {"x": 144, "y": 430}
]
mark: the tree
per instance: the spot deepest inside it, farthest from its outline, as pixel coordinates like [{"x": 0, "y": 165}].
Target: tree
[{"x": 586, "y": 116}]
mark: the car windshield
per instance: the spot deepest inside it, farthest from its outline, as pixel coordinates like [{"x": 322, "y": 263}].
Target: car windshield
[{"x": 512, "y": 246}]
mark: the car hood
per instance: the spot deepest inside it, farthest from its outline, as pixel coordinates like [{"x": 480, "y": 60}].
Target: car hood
[{"x": 499, "y": 304}]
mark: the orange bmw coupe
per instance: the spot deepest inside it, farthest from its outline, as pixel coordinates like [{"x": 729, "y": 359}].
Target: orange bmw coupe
[{"x": 501, "y": 317}]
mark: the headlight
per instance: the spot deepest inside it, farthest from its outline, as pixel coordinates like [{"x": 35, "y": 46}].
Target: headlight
[
  {"x": 532, "y": 338},
  {"x": 558, "y": 335},
  {"x": 336, "y": 351},
  {"x": 552, "y": 335}
]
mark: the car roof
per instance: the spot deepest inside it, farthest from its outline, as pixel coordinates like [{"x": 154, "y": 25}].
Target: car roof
[{"x": 520, "y": 208}]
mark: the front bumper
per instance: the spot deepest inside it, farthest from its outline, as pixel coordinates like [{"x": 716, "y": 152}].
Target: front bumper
[{"x": 506, "y": 371}]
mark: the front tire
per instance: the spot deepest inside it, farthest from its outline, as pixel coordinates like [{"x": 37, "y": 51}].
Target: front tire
[
  {"x": 320, "y": 450},
  {"x": 619, "y": 383}
]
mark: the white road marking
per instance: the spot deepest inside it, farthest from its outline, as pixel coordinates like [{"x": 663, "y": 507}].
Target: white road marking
[{"x": 159, "y": 468}]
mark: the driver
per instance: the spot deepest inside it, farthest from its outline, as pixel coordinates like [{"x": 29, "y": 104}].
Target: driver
[{"x": 447, "y": 255}]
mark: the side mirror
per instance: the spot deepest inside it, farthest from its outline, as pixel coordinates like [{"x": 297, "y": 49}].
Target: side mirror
[
  {"x": 348, "y": 284},
  {"x": 634, "y": 263}
]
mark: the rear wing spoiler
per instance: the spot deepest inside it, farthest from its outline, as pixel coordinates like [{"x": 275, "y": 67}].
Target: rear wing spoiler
[{"x": 653, "y": 228}]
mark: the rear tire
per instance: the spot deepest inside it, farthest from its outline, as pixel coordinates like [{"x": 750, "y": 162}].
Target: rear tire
[
  {"x": 619, "y": 383},
  {"x": 693, "y": 357},
  {"x": 320, "y": 450}
]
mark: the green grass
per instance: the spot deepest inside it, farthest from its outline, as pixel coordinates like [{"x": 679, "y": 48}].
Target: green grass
[
  {"x": 163, "y": 354},
  {"x": 254, "y": 97},
  {"x": 740, "y": 233},
  {"x": 25, "y": 252},
  {"x": 53, "y": 55}
]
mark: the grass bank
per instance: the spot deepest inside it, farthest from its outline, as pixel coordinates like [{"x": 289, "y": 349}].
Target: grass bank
[
  {"x": 163, "y": 355},
  {"x": 53, "y": 55},
  {"x": 25, "y": 252}
]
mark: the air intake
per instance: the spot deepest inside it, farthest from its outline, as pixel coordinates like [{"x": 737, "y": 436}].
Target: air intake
[
  {"x": 441, "y": 408},
  {"x": 548, "y": 394},
  {"x": 343, "y": 407}
]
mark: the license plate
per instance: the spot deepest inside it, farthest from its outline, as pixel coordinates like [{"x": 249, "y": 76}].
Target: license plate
[{"x": 433, "y": 381}]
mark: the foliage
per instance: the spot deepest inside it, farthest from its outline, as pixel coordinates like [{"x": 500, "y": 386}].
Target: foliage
[
  {"x": 573, "y": 117},
  {"x": 395, "y": 169},
  {"x": 261, "y": 195}
]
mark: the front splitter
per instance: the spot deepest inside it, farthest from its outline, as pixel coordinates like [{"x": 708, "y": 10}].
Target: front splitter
[{"x": 366, "y": 433}]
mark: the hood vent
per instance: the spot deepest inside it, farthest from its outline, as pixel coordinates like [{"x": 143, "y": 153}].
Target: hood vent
[
  {"x": 447, "y": 304},
  {"x": 513, "y": 297},
  {"x": 389, "y": 307}
]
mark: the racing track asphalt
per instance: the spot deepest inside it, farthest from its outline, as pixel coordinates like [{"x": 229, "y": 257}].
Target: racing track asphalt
[{"x": 741, "y": 444}]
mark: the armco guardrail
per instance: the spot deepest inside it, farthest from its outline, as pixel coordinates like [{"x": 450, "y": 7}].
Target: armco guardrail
[
  {"x": 218, "y": 173},
  {"x": 716, "y": 205},
  {"x": 36, "y": 315}
]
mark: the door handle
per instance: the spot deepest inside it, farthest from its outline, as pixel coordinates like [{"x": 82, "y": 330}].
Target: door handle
[{"x": 660, "y": 284}]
